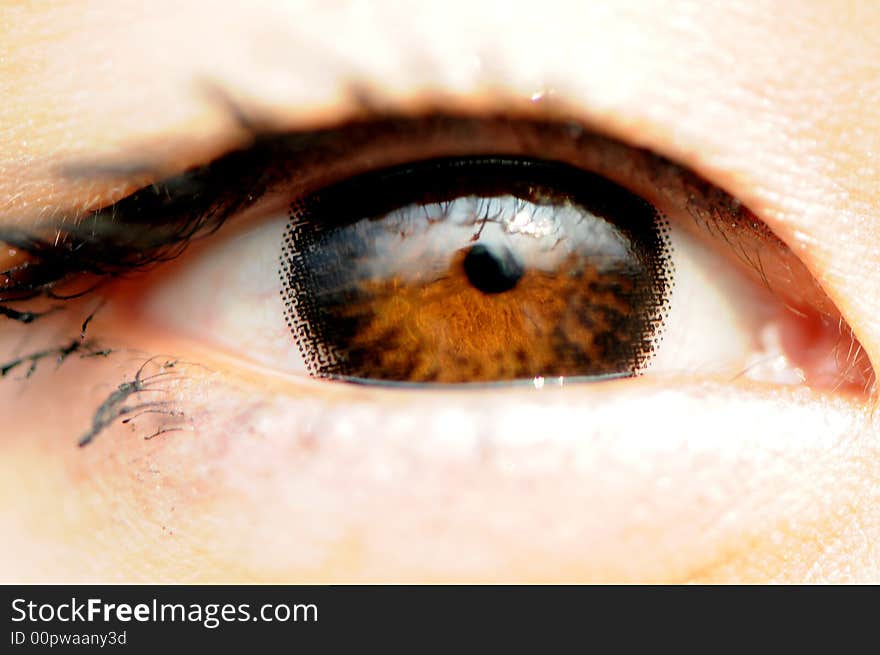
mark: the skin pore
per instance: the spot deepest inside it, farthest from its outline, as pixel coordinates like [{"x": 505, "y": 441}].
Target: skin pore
[{"x": 281, "y": 480}]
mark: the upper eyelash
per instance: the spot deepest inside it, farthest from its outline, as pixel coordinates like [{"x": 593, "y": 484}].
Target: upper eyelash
[
  {"x": 152, "y": 225},
  {"x": 157, "y": 222}
]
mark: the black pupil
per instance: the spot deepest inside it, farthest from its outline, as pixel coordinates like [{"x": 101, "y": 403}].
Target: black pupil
[{"x": 492, "y": 271}]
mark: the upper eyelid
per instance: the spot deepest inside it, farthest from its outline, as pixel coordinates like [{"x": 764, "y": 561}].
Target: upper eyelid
[
  {"x": 176, "y": 183},
  {"x": 161, "y": 218}
]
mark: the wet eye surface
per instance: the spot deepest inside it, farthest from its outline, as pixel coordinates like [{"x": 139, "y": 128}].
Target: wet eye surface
[{"x": 476, "y": 269}]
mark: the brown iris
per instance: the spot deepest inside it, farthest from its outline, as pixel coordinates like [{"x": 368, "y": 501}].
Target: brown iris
[{"x": 475, "y": 270}]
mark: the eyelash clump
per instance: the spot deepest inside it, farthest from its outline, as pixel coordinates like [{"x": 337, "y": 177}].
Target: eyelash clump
[
  {"x": 153, "y": 225},
  {"x": 477, "y": 269}
]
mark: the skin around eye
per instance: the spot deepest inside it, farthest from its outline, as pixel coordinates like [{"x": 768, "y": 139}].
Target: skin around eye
[{"x": 644, "y": 479}]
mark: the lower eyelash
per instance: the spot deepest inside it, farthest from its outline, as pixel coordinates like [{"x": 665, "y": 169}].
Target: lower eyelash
[
  {"x": 128, "y": 401},
  {"x": 21, "y": 316},
  {"x": 59, "y": 353},
  {"x": 115, "y": 407},
  {"x": 79, "y": 346}
]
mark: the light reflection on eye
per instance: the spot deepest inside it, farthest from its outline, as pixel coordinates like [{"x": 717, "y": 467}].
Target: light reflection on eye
[{"x": 488, "y": 269}]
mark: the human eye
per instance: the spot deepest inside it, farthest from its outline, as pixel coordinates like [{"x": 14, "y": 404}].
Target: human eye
[
  {"x": 530, "y": 255},
  {"x": 240, "y": 271}
]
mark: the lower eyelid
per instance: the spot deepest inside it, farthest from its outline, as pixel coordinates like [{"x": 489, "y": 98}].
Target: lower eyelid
[
  {"x": 600, "y": 466},
  {"x": 632, "y": 480}
]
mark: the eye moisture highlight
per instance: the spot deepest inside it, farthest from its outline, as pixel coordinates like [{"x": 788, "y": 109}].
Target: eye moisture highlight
[{"x": 475, "y": 270}]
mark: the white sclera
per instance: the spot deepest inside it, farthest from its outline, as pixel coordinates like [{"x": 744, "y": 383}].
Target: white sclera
[
  {"x": 229, "y": 297},
  {"x": 717, "y": 317}
]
